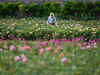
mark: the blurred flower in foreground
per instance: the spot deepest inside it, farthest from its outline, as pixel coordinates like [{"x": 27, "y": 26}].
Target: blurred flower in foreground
[
  {"x": 27, "y": 48},
  {"x": 41, "y": 62},
  {"x": 59, "y": 47},
  {"x": 16, "y": 58},
  {"x": 48, "y": 48},
  {"x": 64, "y": 60},
  {"x": 45, "y": 43},
  {"x": 41, "y": 51},
  {"x": 95, "y": 45},
  {"x": 88, "y": 46},
  {"x": 12, "y": 48},
  {"x": 58, "y": 42},
  {"x": 52, "y": 41},
  {"x": 24, "y": 58}
]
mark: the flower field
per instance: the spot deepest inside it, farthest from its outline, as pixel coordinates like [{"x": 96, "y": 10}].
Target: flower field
[
  {"x": 53, "y": 57},
  {"x": 32, "y": 29},
  {"x": 27, "y": 47}
]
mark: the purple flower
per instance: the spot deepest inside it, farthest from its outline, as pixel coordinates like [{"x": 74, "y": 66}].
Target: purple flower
[
  {"x": 16, "y": 58},
  {"x": 64, "y": 60},
  {"x": 12, "y": 48}
]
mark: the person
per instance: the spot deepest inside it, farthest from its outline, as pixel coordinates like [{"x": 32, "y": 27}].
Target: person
[{"x": 52, "y": 19}]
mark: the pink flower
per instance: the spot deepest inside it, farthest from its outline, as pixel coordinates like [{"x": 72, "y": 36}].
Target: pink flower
[
  {"x": 59, "y": 47},
  {"x": 94, "y": 43},
  {"x": 58, "y": 42},
  {"x": 15, "y": 39},
  {"x": 95, "y": 46},
  {"x": 78, "y": 39},
  {"x": 48, "y": 49},
  {"x": 85, "y": 43},
  {"x": 41, "y": 62},
  {"x": 27, "y": 48},
  {"x": 16, "y": 58},
  {"x": 41, "y": 43},
  {"x": 11, "y": 36},
  {"x": 52, "y": 41},
  {"x": 12, "y": 48},
  {"x": 88, "y": 46},
  {"x": 25, "y": 59},
  {"x": 38, "y": 46},
  {"x": 64, "y": 60},
  {"x": 23, "y": 56},
  {"x": 41, "y": 51},
  {"x": 45, "y": 43}
]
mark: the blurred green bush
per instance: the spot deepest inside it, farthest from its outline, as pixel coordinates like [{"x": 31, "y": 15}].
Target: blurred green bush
[{"x": 70, "y": 9}]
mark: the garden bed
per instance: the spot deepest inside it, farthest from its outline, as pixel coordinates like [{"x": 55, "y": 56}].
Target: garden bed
[
  {"x": 53, "y": 57},
  {"x": 32, "y": 29}
]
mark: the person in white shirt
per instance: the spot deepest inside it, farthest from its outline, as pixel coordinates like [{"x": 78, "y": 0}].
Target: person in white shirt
[{"x": 51, "y": 19}]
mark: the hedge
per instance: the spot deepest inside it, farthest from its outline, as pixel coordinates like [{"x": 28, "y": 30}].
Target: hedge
[{"x": 70, "y": 9}]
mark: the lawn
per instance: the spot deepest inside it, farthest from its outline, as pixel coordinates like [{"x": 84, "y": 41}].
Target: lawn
[{"x": 60, "y": 56}]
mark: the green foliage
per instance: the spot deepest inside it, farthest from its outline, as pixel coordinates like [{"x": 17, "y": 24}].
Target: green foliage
[
  {"x": 2, "y": 9},
  {"x": 32, "y": 9},
  {"x": 37, "y": 29},
  {"x": 97, "y": 3},
  {"x": 11, "y": 9},
  {"x": 66, "y": 9},
  {"x": 70, "y": 9}
]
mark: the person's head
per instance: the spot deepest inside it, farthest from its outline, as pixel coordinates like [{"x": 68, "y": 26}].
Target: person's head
[{"x": 51, "y": 14}]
